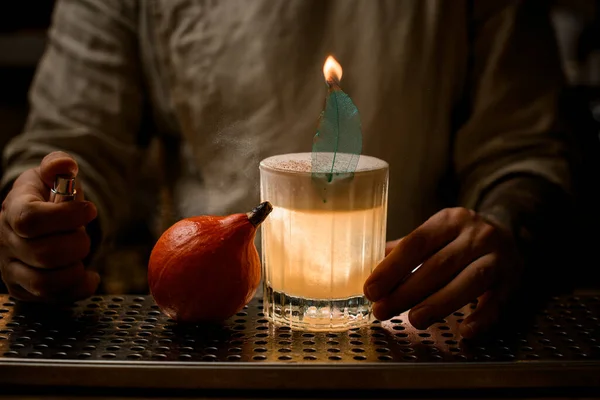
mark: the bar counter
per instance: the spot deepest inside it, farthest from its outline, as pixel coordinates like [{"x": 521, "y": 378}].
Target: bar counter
[{"x": 124, "y": 347}]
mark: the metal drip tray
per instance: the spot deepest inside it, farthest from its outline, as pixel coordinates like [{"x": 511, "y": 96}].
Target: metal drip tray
[{"x": 127, "y": 342}]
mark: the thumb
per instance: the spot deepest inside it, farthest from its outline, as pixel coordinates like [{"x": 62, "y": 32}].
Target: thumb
[{"x": 57, "y": 163}]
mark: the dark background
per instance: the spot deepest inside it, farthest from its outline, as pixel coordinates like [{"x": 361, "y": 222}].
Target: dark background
[{"x": 23, "y": 26}]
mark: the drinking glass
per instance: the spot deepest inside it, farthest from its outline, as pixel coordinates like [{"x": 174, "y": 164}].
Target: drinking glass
[{"x": 323, "y": 239}]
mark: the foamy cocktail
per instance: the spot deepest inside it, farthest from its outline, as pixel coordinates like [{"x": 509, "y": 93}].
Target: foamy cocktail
[{"x": 321, "y": 242}]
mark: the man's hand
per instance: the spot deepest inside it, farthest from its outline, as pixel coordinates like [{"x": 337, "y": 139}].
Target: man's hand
[
  {"x": 42, "y": 244},
  {"x": 463, "y": 257}
]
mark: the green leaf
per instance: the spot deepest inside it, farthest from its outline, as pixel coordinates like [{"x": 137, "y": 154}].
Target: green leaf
[{"x": 338, "y": 143}]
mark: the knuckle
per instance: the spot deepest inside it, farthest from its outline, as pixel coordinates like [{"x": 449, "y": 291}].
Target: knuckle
[
  {"x": 445, "y": 215},
  {"x": 460, "y": 214},
  {"x": 445, "y": 260},
  {"x": 487, "y": 231},
  {"x": 455, "y": 216},
  {"x": 484, "y": 274},
  {"x": 418, "y": 241},
  {"x": 484, "y": 234}
]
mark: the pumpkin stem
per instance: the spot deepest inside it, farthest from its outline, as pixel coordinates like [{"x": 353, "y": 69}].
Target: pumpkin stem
[{"x": 259, "y": 213}]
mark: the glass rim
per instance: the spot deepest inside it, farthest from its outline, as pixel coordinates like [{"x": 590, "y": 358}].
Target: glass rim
[{"x": 381, "y": 166}]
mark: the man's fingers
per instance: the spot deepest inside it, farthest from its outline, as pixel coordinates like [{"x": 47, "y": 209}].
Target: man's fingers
[
  {"x": 38, "y": 182},
  {"x": 51, "y": 251},
  {"x": 389, "y": 246},
  {"x": 64, "y": 284},
  {"x": 32, "y": 219},
  {"x": 16, "y": 291},
  {"x": 87, "y": 287},
  {"x": 435, "y": 273},
  {"x": 473, "y": 281},
  {"x": 414, "y": 249},
  {"x": 487, "y": 314},
  {"x": 57, "y": 163}
]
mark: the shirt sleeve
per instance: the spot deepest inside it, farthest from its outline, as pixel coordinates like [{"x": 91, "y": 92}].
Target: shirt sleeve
[
  {"x": 515, "y": 156},
  {"x": 514, "y": 126},
  {"x": 86, "y": 100}
]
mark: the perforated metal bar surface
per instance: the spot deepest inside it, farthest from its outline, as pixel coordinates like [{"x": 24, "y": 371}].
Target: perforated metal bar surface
[{"x": 125, "y": 341}]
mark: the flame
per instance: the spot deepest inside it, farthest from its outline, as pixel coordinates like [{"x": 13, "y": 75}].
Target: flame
[{"x": 332, "y": 70}]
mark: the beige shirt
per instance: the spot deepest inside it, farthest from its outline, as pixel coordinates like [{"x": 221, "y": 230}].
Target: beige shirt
[{"x": 231, "y": 82}]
